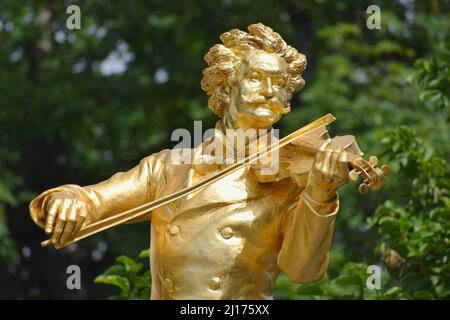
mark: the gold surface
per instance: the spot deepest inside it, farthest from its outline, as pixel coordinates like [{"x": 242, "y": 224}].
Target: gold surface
[
  {"x": 140, "y": 211},
  {"x": 230, "y": 239}
]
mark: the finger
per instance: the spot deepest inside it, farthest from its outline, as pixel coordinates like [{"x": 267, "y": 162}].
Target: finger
[
  {"x": 334, "y": 161},
  {"x": 323, "y": 146},
  {"x": 80, "y": 222},
  {"x": 321, "y": 151},
  {"x": 342, "y": 164},
  {"x": 343, "y": 157},
  {"x": 70, "y": 223},
  {"x": 59, "y": 226},
  {"x": 51, "y": 215},
  {"x": 326, "y": 160},
  {"x": 60, "y": 221}
]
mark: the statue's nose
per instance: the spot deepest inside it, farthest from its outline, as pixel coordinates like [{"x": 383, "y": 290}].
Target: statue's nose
[{"x": 268, "y": 89}]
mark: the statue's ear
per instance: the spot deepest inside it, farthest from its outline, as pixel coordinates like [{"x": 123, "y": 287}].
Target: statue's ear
[{"x": 223, "y": 93}]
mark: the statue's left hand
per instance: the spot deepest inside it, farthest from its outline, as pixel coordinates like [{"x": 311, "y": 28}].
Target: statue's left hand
[{"x": 329, "y": 172}]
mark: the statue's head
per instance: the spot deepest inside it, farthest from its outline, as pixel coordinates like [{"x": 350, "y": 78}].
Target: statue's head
[{"x": 251, "y": 77}]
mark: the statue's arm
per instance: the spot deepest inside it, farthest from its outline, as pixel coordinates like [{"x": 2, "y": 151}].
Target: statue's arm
[
  {"x": 123, "y": 191},
  {"x": 308, "y": 226},
  {"x": 307, "y": 234}
]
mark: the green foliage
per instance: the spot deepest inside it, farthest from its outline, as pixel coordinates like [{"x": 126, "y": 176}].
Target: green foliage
[
  {"x": 64, "y": 120},
  {"x": 416, "y": 222},
  {"x": 433, "y": 77},
  {"x": 126, "y": 276},
  {"x": 8, "y": 250},
  {"x": 350, "y": 284},
  {"x": 370, "y": 74}
]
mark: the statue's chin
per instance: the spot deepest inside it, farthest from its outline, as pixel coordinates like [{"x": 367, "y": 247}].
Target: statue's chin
[{"x": 262, "y": 117}]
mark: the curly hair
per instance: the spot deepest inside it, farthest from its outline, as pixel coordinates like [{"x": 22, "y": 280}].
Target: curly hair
[{"x": 224, "y": 59}]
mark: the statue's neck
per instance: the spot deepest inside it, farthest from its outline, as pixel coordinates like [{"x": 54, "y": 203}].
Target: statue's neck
[{"x": 231, "y": 131}]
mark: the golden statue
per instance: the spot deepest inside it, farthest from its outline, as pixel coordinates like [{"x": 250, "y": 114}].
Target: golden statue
[{"x": 230, "y": 238}]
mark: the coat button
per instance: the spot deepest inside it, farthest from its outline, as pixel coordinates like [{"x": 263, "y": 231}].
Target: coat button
[
  {"x": 174, "y": 230},
  {"x": 226, "y": 233},
  {"x": 168, "y": 284},
  {"x": 215, "y": 283}
]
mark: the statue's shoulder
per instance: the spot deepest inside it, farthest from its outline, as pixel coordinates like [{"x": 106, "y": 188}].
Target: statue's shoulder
[{"x": 170, "y": 157}]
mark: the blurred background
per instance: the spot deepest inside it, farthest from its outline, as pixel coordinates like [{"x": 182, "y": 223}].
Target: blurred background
[{"x": 77, "y": 106}]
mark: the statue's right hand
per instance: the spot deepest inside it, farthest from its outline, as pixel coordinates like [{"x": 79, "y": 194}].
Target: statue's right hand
[{"x": 65, "y": 217}]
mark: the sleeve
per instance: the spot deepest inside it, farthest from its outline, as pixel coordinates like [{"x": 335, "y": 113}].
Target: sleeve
[
  {"x": 307, "y": 233},
  {"x": 123, "y": 191}
]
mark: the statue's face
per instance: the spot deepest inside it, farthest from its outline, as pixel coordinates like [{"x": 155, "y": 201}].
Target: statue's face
[{"x": 259, "y": 97}]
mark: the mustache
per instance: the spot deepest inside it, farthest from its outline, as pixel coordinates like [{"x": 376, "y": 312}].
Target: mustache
[{"x": 257, "y": 99}]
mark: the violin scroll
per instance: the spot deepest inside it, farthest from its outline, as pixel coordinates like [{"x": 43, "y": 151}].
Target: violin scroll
[{"x": 373, "y": 176}]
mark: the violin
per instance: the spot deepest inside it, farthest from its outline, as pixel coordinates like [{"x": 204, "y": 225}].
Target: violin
[
  {"x": 299, "y": 156},
  {"x": 302, "y": 143}
]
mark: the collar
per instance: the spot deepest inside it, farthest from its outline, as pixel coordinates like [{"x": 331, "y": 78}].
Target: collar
[{"x": 211, "y": 154}]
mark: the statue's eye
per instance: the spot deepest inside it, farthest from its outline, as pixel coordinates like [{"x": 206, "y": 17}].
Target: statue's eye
[
  {"x": 279, "y": 82},
  {"x": 254, "y": 77}
]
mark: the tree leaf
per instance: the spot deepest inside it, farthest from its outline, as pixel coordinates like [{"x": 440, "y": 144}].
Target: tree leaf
[
  {"x": 145, "y": 253},
  {"x": 130, "y": 265},
  {"x": 115, "y": 280},
  {"x": 309, "y": 290}
]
